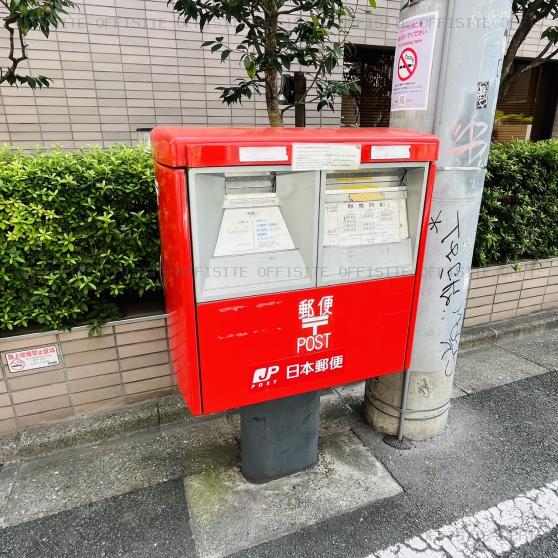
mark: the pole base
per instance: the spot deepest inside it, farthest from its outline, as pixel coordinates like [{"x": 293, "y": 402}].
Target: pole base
[
  {"x": 427, "y": 404},
  {"x": 279, "y": 438}
]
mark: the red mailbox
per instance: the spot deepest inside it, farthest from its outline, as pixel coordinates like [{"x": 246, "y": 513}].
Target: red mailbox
[{"x": 292, "y": 258}]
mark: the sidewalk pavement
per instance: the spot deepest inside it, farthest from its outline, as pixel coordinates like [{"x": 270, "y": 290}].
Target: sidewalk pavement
[{"x": 485, "y": 487}]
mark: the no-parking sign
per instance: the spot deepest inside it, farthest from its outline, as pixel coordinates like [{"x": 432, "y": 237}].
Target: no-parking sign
[{"x": 413, "y": 62}]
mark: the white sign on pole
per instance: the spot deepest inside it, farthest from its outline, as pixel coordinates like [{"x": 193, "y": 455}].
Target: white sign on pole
[{"x": 414, "y": 55}]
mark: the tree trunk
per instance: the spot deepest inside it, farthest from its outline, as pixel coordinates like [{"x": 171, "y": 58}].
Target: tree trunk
[{"x": 271, "y": 93}]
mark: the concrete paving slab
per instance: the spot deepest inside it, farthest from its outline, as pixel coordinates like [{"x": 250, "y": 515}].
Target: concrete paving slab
[
  {"x": 336, "y": 416},
  {"x": 8, "y": 474},
  {"x": 47, "y": 438},
  {"x": 74, "y": 477},
  {"x": 172, "y": 408},
  {"x": 229, "y": 514},
  {"x": 457, "y": 392},
  {"x": 541, "y": 348},
  {"x": 9, "y": 442},
  {"x": 352, "y": 394},
  {"x": 148, "y": 523},
  {"x": 490, "y": 367}
]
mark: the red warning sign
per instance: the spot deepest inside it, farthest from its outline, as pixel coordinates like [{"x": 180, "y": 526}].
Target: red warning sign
[{"x": 407, "y": 65}]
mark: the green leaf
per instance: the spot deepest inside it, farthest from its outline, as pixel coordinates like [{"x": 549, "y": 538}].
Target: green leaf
[
  {"x": 372, "y": 4},
  {"x": 250, "y": 66}
]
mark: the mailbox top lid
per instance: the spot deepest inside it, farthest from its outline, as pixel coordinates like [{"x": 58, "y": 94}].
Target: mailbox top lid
[{"x": 212, "y": 147}]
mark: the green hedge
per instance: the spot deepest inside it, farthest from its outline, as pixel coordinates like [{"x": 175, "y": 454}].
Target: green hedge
[
  {"x": 78, "y": 230},
  {"x": 519, "y": 213},
  {"x": 78, "y": 235}
]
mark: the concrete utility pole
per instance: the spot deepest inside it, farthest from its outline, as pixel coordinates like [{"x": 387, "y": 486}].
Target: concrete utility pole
[{"x": 464, "y": 81}]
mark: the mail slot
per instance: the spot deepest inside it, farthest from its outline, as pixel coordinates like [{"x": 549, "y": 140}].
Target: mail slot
[{"x": 291, "y": 258}]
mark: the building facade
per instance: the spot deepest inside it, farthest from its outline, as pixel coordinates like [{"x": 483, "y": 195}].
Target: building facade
[{"x": 120, "y": 66}]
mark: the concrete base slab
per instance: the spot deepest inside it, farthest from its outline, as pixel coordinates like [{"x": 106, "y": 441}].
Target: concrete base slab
[
  {"x": 229, "y": 514},
  {"x": 541, "y": 348},
  {"x": 489, "y": 367},
  {"x": 352, "y": 395},
  {"x": 457, "y": 392},
  {"x": 8, "y": 474}
]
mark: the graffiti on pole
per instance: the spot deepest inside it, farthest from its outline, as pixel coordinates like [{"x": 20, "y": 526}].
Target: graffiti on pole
[{"x": 452, "y": 283}]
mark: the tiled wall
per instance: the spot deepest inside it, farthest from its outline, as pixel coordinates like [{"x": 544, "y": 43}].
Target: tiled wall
[
  {"x": 119, "y": 65},
  {"x": 129, "y": 362},
  {"x": 502, "y": 292}
]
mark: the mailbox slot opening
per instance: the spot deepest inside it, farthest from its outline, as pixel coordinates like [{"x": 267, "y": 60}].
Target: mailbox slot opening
[{"x": 254, "y": 231}]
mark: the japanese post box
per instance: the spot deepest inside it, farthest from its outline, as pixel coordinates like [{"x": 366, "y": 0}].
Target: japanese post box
[{"x": 291, "y": 258}]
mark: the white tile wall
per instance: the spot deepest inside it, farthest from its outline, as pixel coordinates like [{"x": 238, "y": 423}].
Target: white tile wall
[{"x": 119, "y": 65}]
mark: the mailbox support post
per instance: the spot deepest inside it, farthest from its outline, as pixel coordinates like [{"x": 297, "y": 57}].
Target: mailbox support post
[
  {"x": 280, "y": 437},
  {"x": 464, "y": 82}
]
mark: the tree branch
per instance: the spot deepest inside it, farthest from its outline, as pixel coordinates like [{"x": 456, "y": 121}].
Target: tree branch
[
  {"x": 5, "y": 75},
  {"x": 321, "y": 66},
  {"x": 291, "y": 11},
  {"x": 538, "y": 61},
  {"x": 535, "y": 12}
]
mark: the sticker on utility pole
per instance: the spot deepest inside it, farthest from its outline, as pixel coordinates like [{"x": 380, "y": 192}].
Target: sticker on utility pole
[
  {"x": 31, "y": 359},
  {"x": 482, "y": 94},
  {"x": 413, "y": 62},
  {"x": 325, "y": 156}
]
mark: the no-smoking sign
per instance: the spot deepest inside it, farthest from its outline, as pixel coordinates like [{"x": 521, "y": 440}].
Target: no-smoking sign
[
  {"x": 413, "y": 62},
  {"x": 407, "y": 65}
]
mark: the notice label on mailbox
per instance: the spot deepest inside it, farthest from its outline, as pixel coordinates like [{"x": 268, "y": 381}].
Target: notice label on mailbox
[
  {"x": 325, "y": 156},
  {"x": 250, "y": 230},
  {"x": 364, "y": 223}
]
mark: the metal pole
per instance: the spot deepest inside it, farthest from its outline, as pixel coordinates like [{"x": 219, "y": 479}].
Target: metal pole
[
  {"x": 469, "y": 51},
  {"x": 300, "y": 107},
  {"x": 404, "y": 402}
]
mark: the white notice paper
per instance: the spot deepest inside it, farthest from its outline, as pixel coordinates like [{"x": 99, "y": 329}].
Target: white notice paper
[
  {"x": 250, "y": 230},
  {"x": 363, "y": 223},
  {"x": 325, "y": 156}
]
